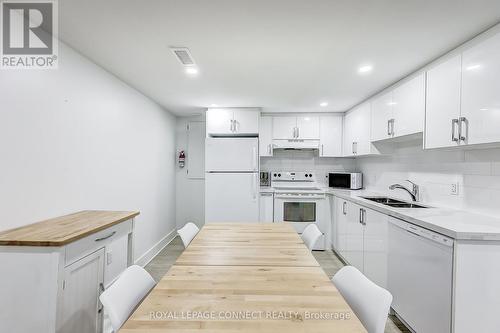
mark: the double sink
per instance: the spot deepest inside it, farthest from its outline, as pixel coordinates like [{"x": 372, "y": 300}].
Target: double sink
[{"x": 393, "y": 202}]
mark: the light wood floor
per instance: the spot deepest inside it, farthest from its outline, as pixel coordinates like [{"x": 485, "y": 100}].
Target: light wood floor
[{"x": 327, "y": 259}]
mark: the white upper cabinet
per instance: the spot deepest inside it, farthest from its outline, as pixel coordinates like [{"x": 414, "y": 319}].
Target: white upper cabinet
[
  {"x": 408, "y": 102},
  {"x": 443, "y": 104},
  {"x": 357, "y": 129},
  {"x": 292, "y": 127},
  {"x": 284, "y": 127},
  {"x": 399, "y": 112},
  {"x": 330, "y": 133},
  {"x": 382, "y": 115},
  {"x": 308, "y": 127},
  {"x": 246, "y": 122},
  {"x": 480, "y": 111},
  {"x": 232, "y": 121},
  {"x": 266, "y": 136}
]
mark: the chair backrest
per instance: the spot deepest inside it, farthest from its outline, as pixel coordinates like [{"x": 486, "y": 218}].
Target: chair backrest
[
  {"x": 121, "y": 298},
  {"x": 187, "y": 233},
  {"x": 369, "y": 302},
  {"x": 310, "y": 235}
]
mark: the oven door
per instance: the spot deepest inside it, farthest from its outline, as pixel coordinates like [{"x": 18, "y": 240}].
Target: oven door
[{"x": 299, "y": 210}]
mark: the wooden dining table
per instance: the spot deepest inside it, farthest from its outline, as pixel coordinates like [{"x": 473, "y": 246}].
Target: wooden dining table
[{"x": 251, "y": 277}]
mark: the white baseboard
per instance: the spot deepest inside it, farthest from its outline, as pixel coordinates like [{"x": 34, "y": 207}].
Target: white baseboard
[{"x": 153, "y": 251}]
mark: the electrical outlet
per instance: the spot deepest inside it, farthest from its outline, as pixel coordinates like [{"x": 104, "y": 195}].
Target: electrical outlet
[{"x": 454, "y": 189}]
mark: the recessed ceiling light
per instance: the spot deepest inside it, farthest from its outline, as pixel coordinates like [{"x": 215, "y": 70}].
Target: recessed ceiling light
[
  {"x": 472, "y": 67},
  {"x": 323, "y": 104},
  {"x": 213, "y": 105},
  {"x": 365, "y": 69},
  {"x": 392, "y": 103},
  {"x": 191, "y": 70}
]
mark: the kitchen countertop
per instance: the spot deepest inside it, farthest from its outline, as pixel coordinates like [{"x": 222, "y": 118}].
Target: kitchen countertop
[
  {"x": 457, "y": 224},
  {"x": 266, "y": 189},
  {"x": 62, "y": 230}
]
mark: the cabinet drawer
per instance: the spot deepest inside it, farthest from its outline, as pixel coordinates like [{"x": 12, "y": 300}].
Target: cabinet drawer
[{"x": 89, "y": 244}]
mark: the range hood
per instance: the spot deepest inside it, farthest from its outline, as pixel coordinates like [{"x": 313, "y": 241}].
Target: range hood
[{"x": 295, "y": 144}]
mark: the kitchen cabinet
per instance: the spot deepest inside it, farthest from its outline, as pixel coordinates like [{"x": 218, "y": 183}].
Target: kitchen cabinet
[
  {"x": 266, "y": 136},
  {"x": 293, "y": 127},
  {"x": 480, "y": 107},
  {"x": 399, "y": 112},
  {"x": 266, "y": 207},
  {"x": 361, "y": 239},
  {"x": 57, "y": 279},
  {"x": 83, "y": 283},
  {"x": 330, "y": 136},
  {"x": 357, "y": 128},
  {"x": 443, "y": 104},
  {"x": 232, "y": 121}
]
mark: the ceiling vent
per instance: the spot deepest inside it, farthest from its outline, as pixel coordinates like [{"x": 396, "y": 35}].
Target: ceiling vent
[{"x": 183, "y": 55}]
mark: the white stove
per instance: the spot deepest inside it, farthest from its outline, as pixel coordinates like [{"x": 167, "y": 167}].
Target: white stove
[{"x": 298, "y": 200}]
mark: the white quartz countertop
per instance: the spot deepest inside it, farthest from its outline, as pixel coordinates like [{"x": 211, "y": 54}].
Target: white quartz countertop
[{"x": 456, "y": 224}]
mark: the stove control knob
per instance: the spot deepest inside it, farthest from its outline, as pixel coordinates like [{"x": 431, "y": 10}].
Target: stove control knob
[
  {"x": 307, "y": 175},
  {"x": 279, "y": 174},
  {"x": 275, "y": 175},
  {"x": 310, "y": 175}
]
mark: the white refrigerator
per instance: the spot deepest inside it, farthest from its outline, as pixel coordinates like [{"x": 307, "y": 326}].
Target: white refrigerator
[{"x": 231, "y": 180}]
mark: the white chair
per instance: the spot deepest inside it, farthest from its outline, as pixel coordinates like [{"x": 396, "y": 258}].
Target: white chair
[
  {"x": 310, "y": 235},
  {"x": 121, "y": 298},
  {"x": 369, "y": 302},
  {"x": 187, "y": 233}
]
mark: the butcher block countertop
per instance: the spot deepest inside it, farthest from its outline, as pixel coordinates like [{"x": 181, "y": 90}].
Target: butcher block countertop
[{"x": 62, "y": 230}]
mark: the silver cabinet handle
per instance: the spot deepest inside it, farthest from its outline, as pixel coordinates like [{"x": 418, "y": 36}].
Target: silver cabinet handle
[
  {"x": 461, "y": 131},
  {"x": 454, "y": 123},
  {"x": 105, "y": 237},
  {"x": 344, "y": 206},
  {"x": 392, "y": 126},
  {"x": 355, "y": 148},
  {"x": 294, "y": 135},
  {"x": 361, "y": 215},
  {"x": 231, "y": 126},
  {"x": 389, "y": 127},
  {"x": 269, "y": 150},
  {"x": 298, "y": 132},
  {"x": 322, "y": 150}
]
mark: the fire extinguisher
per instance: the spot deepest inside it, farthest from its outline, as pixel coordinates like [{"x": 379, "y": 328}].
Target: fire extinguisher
[{"x": 182, "y": 159}]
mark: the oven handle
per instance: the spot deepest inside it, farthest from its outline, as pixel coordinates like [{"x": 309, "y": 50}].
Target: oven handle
[{"x": 301, "y": 197}]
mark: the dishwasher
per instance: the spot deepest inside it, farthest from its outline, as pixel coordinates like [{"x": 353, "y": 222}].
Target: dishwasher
[{"x": 420, "y": 275}]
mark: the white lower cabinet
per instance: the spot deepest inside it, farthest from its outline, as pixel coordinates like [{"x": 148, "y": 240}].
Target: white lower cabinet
[
  {"x": 83, "y": 283},
  {"x": 360, "y": 237},
  {"x": 266, "y": 207}
]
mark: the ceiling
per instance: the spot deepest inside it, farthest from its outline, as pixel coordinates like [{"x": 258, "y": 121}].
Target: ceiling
[{"x": 281, "y": 55}]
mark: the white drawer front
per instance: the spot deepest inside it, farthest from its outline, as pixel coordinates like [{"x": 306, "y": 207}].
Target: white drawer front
[{"x": 89, "y": 244}]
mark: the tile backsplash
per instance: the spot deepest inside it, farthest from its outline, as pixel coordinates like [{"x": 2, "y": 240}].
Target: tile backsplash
[
  {"x": 306, "y": 160},
  {"x": 476, "y": 173}
]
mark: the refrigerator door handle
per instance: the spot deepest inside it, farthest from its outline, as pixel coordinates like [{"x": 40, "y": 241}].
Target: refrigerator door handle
[
  {"x": 254, "y": 186},
  {"x": 254, "y": 157}
]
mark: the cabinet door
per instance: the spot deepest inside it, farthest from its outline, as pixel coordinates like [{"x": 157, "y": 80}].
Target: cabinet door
[
  {"x": 348, "y": 134},
  {"x": 442, "y": 103},
  {"x": 382, "y": 111},
  {"x": 362, "y": 129},
  {"x": 266, "y": 136},
  {"x": 284, "y": 127},
  {"x": 354, "y": 237},
  {"x": 409, "y": 107},
  {"x": 375, "y": 240},
  {"x": 330, "y": 136},
  {"x": 340, "y": 231},
  {"x": 219, "y": 122},
  {"x": 246, "y": 122},
  {"x": 266, "y": 207},
  {"x": 481, "y": 93},
  {"x": 83, "y": 281},
  {"x": 308, "y": 127}
]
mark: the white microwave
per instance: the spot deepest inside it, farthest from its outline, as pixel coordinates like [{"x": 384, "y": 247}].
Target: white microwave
[{"x": 346, "y": 180}]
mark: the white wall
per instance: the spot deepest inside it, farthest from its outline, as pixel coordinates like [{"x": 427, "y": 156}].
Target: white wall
[
  {"x": 190, "y": 193},
  {"x": 476, "y": 171},
  {"x": 306, "y": 160},
  {"x": 78, "y": 138}
]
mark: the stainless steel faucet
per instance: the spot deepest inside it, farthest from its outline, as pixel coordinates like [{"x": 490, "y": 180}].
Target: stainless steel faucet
[{"x": 415, "y": 191}]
